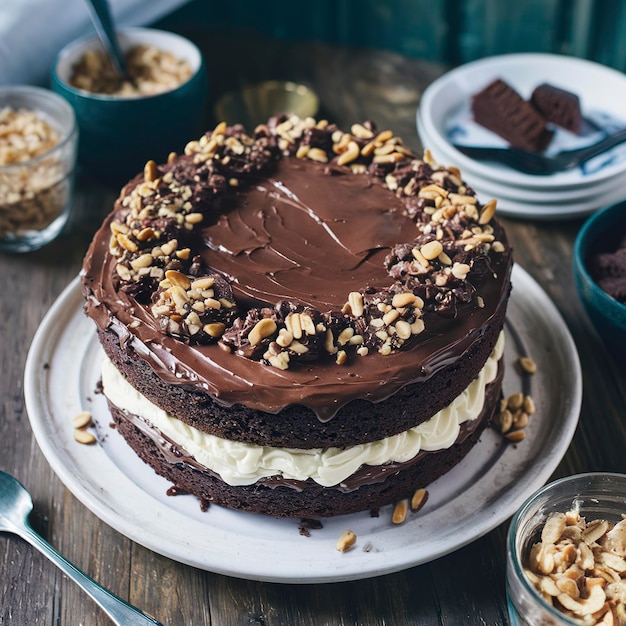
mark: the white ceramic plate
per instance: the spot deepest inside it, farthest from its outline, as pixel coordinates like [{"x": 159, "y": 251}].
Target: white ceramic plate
[
  {"x": 445, "y": 112},
  {"x": 585, "y": 194},
  {"x": 446, "y": 155},
  {"x": 61, "y": 379},
  {"x": 537, "y": 205},
  {"x": 558, "y": 211}
]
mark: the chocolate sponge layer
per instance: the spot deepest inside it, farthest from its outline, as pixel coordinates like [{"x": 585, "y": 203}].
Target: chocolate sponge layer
[
  {"x": 297, "y": 426},
  {"x": 306, "y": 499}
]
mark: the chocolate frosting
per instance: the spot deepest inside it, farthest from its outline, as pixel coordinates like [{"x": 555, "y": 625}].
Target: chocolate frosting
[
  {"x": 309, "y": 234},
  {"x": 306, "y": 235}
]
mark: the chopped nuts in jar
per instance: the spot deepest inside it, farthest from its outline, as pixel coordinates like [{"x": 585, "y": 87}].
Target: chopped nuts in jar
[
  {"x": 34, "y": 187},
  {"x": 579, "y": 568},
  {"x": 150, "y": 69}
]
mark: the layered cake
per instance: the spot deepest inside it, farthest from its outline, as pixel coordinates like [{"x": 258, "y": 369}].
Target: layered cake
[{"x": 302, "y": 321}]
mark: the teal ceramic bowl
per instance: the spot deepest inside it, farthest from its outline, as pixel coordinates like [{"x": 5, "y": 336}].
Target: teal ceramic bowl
[
  {"x": 600, "y": 233},
  {"x": 119, "y": 134}
]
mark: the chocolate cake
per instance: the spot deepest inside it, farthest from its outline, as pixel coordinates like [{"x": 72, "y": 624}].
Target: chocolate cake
[
  {"x": 558, "y": 106},
  {"x": 300, "y": 322},
  {"x": 500, "y": 109}
]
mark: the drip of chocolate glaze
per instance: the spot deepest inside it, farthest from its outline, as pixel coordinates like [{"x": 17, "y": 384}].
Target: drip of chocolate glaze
[{"x": 304, "y": 236}]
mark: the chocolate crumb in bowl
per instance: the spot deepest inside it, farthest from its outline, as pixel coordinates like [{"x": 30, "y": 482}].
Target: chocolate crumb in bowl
[
  {"x": 600, "y": 276},
  {"x": 608, "y": 269}
]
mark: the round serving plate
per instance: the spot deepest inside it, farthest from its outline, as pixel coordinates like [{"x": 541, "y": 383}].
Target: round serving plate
[
  {"x": 62, "y": 377},
  {"x": 445, "y": 114}
]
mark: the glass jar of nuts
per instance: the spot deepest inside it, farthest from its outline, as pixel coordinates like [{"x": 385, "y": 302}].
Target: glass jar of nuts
[
  {"x": 566, "y": 554},
  {"x": 38, "y": 140}
]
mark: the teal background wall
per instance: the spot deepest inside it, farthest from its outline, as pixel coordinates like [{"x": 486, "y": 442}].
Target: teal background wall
[{"x": 448, "y": 31}]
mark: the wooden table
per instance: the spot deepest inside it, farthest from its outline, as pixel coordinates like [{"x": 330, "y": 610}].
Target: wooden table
[{"x": 466, "y": 587}]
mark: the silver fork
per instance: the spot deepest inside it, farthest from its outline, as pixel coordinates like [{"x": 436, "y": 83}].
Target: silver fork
[
  {"x": 16, "y": 506},
  {"x": 540, "y": 164}
]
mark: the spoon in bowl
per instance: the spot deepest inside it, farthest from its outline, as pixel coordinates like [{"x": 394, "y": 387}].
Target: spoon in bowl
[
  {"x": 15, "y": 508},
  {"x": 102, "y": 19}
]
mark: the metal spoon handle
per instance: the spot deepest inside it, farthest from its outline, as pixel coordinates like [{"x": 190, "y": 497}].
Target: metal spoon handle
[
  {"x": 117, "y": 609},
  {"x": 101, "y": 17}
]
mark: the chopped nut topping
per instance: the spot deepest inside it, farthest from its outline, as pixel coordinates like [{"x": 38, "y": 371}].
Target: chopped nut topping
[
  {"x": 419, "y": 499},
  {"x": 81, "y": 422},
  {"x": 513, "y": 416},
  {"x": 436, "y": 272},
  {"x": 400, "y": 512},
  {"x": 84, "y": 436},
  {"x": 527, "y": 365}
]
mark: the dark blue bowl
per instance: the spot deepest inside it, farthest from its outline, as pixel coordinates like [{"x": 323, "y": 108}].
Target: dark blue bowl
[
  {"x": 119, "y": 134},
  {"x": 608, "y": 316}
]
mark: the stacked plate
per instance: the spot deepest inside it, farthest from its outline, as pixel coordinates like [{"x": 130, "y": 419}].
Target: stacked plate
[{"x": 444, "y": 120}]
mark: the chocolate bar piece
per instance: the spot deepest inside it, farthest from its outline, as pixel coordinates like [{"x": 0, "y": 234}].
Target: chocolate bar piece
[
  {"x": 500, "y": 109},
  {"x": 558, "y": 106}
]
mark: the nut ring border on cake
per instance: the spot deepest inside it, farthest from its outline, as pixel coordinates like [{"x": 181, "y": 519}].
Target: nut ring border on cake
[
  {"x": 120, "y": 238},
  {"x": 433, "y": 196}
]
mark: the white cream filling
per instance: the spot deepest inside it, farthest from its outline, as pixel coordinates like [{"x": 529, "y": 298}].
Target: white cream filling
[{"x": 243, "y": 464}]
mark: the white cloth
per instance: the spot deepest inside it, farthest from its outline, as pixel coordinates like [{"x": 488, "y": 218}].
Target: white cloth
[{"x": 33, "y": 31}]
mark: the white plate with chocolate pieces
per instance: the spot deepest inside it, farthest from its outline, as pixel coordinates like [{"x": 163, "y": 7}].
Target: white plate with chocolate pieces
[
  {"x": 62, "y": 378},
  {"x": 495, "y": 103}
]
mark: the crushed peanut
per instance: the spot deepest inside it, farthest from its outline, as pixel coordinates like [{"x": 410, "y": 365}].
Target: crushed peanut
[
  {"x": 34, "y": 187},
  {"x": 419, "y": 499},
  {"x": 579, "y": 568},
  {"x": 527, "y": 364},
  {"x": 434, "y": 272},
  {"x": 151, "y": 70},
  {"x": 513, "y": 416},
  {"x": 400, "y": 512},
  {"x": 81, "y": 422},
  {"x": 346, "y": 541}
]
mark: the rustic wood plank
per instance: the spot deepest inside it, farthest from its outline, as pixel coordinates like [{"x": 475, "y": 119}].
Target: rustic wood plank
[{"x": 354, "y": 84}]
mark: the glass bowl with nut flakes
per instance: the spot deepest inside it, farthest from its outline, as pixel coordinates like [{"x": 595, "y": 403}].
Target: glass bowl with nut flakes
[
  {"x": 125, "y": 122},
  {"x": 566, "y": 554},
  {"x": 38, "y": 139}
]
